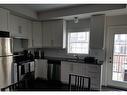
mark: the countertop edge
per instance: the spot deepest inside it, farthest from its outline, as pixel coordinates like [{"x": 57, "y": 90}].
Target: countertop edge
[{"x": 68, "y": 60}]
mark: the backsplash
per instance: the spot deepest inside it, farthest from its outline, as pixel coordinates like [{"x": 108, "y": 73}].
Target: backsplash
[
  {"x": 98, "y": 53},
  {"x": 19, "y": 44}
]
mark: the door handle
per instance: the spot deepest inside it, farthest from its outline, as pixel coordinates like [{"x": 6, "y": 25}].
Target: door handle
[{"x": 110, "y": 59}]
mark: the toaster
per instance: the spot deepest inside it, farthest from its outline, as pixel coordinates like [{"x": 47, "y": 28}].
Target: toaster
[{"x": 90, "y": 60}]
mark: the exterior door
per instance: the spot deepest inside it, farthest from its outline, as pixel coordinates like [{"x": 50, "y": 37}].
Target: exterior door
[{"x": 117, "y": 56}]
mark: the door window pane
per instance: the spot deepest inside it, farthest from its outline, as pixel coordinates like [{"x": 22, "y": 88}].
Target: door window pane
[{"x": 120, "y": 58}]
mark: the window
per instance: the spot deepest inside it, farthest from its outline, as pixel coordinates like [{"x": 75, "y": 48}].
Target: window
[{"x": 78, "y": 42}]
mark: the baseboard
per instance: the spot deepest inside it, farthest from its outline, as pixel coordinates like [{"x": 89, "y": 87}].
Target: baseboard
[{"x": 116, "y": 87}]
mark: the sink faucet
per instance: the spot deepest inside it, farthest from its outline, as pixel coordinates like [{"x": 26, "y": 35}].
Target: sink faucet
[{"x": 77, "y": 57}]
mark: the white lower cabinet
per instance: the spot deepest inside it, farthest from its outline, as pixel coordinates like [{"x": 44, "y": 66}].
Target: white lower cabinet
[
  {"x": 66, "y": 69},
  {"x": 41, "y": 68},
  {"x": 90, "y": 70},
  {"x": 94, "y": 72}
]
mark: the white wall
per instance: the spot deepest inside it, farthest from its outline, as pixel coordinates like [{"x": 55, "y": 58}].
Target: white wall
[
  {"x": 83, "y": 24},
  {"x": 117, "y": 20}
]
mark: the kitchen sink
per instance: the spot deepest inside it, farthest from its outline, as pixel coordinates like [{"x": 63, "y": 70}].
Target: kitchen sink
[{"x": 76, "y": 60}]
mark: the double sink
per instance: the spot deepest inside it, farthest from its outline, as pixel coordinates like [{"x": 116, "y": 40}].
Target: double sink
[
  {"x": 75, "y": 60},
  {"x": 65, "y": 59}
]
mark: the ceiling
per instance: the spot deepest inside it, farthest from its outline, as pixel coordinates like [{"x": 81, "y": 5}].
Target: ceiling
[
  {"x": 70, "y": 10},
  {"x": 42, "y": 7},
  {"x": 47, "y": 7}
]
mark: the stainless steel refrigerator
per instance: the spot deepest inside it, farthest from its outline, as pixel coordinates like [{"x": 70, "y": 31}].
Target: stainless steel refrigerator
[{"x": 6, "y": 62}]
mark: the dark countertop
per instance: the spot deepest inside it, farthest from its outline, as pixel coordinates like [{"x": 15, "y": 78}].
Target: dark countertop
[
  {"x": 24, "y": 62},
  {"x": 17, "y": 55},
  {"x": 71, "y": 60}
]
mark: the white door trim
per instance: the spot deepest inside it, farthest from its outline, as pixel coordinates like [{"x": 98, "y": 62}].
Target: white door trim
[{"x": 109, "y": 43}]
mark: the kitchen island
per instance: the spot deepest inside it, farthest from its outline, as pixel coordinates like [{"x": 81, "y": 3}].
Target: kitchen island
[{"x": 70, "y": 66}]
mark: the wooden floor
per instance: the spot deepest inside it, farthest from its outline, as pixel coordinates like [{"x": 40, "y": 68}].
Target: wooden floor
[{"x": 44, "y": 85}]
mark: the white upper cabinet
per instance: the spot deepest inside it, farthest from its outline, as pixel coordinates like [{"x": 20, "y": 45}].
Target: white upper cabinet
[
  {"x": 54, "y": 34},
  {"x": 66, "y": 69},
  {"x": 24, "y": 27},
  {"x": 97, "y": 31},
  {"x": 18, "y": 27},
  {"x": 29, "y": 34},
  {"x": 37, "y": 34},
  {"x": 4, "y": 20}
]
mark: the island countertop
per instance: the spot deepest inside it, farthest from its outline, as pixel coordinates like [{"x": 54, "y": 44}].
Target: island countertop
[{"x": 74, "y": 60}]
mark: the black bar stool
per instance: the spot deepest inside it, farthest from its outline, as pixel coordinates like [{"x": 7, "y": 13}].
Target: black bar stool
[{"x": 79, "y": 82}]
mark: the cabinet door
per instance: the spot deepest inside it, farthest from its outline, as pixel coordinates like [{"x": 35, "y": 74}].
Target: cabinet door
[
  {"x": 24, "y": 27},
  {"x": 47, "y": 34},
  {"x": 18, "y": 27},
  {"x": 77, "y": 68},
  {"x": 80, "y": 69},
  {"x": 57, "y": 33},
  {"x": 53, "y": 34},
  {"x": 94, "y": 72},
  {"x": 4, "y": 20},
  {"x": 37, "y": 34},
  {"x": 15, "y": 26},
  {"x": 29, "y": 33},
  {"x": 41, "y": 68},
  {"x": 66, "y": 69},
  {"x": 97, "y": 31}
]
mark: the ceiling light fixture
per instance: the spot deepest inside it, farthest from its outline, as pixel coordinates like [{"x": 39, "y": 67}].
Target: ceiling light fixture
[{"x": 75, "y": 19}]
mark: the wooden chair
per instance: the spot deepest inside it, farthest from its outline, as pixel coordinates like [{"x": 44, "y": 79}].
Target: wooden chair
[
  {"x": 19, "y": 86},
  {"x": 79, "y": 83}
]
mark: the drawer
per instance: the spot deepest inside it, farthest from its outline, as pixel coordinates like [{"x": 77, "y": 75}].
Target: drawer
[
  {"x": 93, "y": 74},
  {"x": 93, "y": 68}
]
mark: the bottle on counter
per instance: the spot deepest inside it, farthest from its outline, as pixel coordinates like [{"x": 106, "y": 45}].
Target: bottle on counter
[
  {"x": 30, "y": 56},
  {"x": 36, "y": 55},
  {"x": 42, "y": 54}
]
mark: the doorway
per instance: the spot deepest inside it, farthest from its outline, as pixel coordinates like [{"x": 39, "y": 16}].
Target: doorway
[{"x": 117, "y": 56}]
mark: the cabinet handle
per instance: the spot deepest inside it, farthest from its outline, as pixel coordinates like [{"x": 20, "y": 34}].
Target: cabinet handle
[{"x": 11, "y": 43}]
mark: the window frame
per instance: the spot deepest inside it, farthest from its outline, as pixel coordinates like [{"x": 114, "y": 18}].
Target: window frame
[{"x": 78, "y": 53}]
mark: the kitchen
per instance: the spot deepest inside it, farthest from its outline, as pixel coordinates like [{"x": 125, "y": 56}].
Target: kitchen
[{"x": 50, "y": 42}]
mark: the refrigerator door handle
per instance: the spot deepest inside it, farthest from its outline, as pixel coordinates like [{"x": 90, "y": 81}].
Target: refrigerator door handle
[{"x": 11, "y": 43}]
